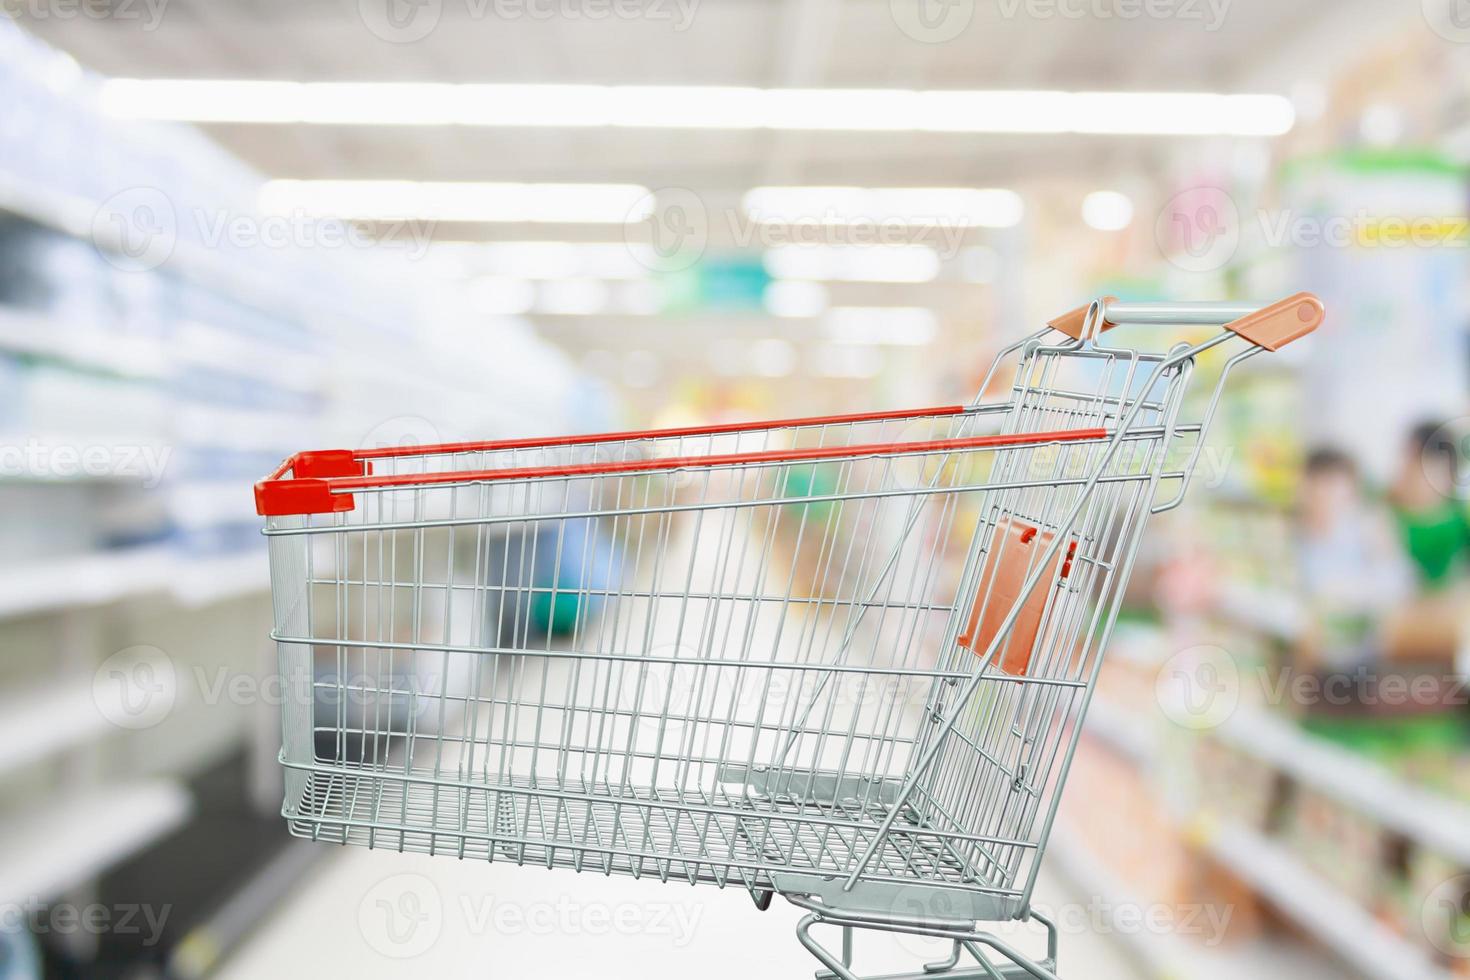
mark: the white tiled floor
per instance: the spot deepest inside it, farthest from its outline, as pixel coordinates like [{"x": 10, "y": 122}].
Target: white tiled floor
[{"x": 375, "y": 914}]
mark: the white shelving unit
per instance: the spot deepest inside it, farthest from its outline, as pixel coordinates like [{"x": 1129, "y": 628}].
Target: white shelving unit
[
  {"x": 87, "y": 347},
  {"x": 1124, "y": 731},
  {"x": 1276, "y": 874},
  {"x": 1358, "y": 782},
  {"x": 1273, "y": 613},
  {"x": 86, "y": 580},
  {"x": 226, "y": 355},
  {"x": 42, "y": 722},
  {"x": 1422, "y": 816},
  {"x": 74, "y": 216},
  {"x": 1333, "y": 918},
  {"x": 1168, "y": 957},
  {"x": 72, "y": 839},
  {"x": 105, "y": 577}
]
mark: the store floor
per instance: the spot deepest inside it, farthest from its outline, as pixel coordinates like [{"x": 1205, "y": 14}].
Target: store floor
[{"x": 373, "y": 914}]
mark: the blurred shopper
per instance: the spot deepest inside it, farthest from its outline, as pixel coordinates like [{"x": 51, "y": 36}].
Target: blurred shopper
[
  {"x": 1353, "y": 572},
  {"x": 1432, "y": 520},
  {"x": 1435, "y": 530}
]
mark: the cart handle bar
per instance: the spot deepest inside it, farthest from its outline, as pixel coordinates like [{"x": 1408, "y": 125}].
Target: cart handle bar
[
  {"x": 1271, "y": 327},
  {"x": 322, "y": 482}
]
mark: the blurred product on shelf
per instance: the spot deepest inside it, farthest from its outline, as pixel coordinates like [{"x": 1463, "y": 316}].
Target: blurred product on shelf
[
  {"x": 1352, "y": 570},
  {"x": 18, "y": 957}
]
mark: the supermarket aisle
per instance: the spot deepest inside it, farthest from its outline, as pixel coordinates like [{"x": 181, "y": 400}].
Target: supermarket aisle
[{"x": 373, "y": 915}]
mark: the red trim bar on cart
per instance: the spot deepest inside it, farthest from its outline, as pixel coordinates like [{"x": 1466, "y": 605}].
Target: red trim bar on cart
[
  {"x": 693, "y": 430},
  {"x": 320, "y": 480}
]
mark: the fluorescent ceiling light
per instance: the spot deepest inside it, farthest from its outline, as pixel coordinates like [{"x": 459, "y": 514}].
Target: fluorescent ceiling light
[
  {"x": 795, "y": 298},
  {"x": 900, "y": 326},
  {"x": 697, "y": 107},
  {"x": 1107, "y": 210},
  {"x": 772, "y": 357},
  {"x": 853, "y": 263},
  {"x": 931, "y": 206},
  {"x": 639, "y": 297},
  {"x": 390, "y": 200},
  {"x": 572, "y": 297},
  {"x": 548, "y": 260},
  {"x": 979, "y": 263},
  {"x": 499, "y": 296},
  {"x": 845, "y": 361}
]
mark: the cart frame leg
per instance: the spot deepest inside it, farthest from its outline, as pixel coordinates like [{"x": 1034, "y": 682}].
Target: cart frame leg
[{"x": 981, "y": 946}]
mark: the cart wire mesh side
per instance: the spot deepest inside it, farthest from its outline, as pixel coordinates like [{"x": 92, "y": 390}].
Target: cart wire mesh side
[{"x": 842, "y": 658}]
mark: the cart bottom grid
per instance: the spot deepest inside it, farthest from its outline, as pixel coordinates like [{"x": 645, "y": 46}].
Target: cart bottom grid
[{"x": 720, "y": 837}]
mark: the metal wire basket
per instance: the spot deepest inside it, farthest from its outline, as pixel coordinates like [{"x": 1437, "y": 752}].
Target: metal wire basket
[{"x": 844, "y": 659}]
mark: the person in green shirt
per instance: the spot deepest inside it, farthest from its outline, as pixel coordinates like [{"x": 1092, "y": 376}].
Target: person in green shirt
[{"x": 1431, "y": 517}]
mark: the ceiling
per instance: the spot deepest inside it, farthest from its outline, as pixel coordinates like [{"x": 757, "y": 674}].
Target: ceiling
[
  {"x": 1004, "y": 44},
  {"x": 1259, "y": 46}
]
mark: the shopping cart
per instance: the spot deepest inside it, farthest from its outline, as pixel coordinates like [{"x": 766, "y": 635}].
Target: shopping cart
[{"x": 842, "y": 659}]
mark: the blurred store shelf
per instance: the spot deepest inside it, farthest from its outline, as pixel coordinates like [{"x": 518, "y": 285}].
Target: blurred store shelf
[
  {"x": 1349, "y": 777},
  {"x": 87, "y": 347},
  {"x": 71, "y": 839},
  {"x": 1164, "y": 956},
  {"x": 38, "y": 723},
  {"x": 78, "y": 217},
  {"x": 1272, "y": 612},
  {"x": 1270, "y": 868},
  {"x": 1333, "y": 918},
  {"x": 86, "y": 580},
  {"x": 1354, "y": 780},
  {"x": 105, "y": 577},
  {"x": 1123, "y": 730}
]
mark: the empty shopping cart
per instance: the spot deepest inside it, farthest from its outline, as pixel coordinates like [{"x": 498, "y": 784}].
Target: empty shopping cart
[{"x": 840, "y": 659}]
